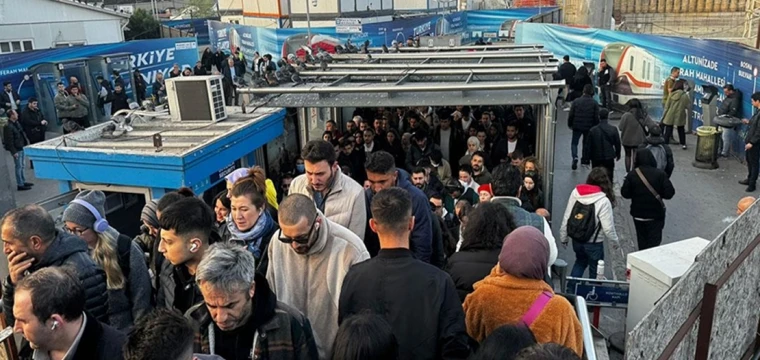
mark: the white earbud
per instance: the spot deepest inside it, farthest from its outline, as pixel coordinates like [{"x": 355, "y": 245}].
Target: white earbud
[
  {"x": 193, "y": 247},
  {"x": 55, "y": 325}
]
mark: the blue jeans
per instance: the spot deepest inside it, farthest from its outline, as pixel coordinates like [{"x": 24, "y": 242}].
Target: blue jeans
[
  {"x": 574, "y": 145},
  {"x": 19, "y": 162},
  {"x": 587, "y": 256}
]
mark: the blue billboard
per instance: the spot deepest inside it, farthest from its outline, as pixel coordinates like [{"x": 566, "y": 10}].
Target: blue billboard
[
  {"x": 643, "y": 63},
  {"x": 193, "y": 27}
]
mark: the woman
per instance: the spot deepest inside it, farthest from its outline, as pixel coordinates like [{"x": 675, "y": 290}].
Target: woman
[
  {"x": 327, "y": 136},
  {"x": 515, "y": 292},
  {"x": 207, "y": 59},
  {"x": 487, "y": 226},
  {"x": 647, "y": 206},
  {"x": 265, "y": 186},
  {"x": 597, "y": 191},
  {"x": 127, "y": 278},
  {"x": 485, "y": 193},
  {"x": 395, "y": 148},
  {"x": 677, "y": 112},
  {"x": 222, "y": 208},
  {"x": 531, "y": 193},
  {"x": 250, "y": 222},
  {"x": 187, "y": 72},
  {"x": 634, "y": 127},
  {"x": 473, "y": 145},
  {"x": 81, "y": 109},
  {"x": 300, "y": 167},
  {"x": 365, "y": 336},
  {"x": 580, "y": 80}
]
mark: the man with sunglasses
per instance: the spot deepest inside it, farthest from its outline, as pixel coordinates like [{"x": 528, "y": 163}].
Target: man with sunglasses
[
  {"x": 308, "y": 258},
  {"x": 31, "y": 242}
]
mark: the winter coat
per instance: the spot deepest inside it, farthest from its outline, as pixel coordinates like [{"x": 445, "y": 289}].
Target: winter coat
[
  {"x": 584, "y": 114},
  {"x": 129, "y": 304},
  {"x": 312, "y": 282},
  {"x": 586, "y": 195},
  {"x": 418, "y": 300},
  {"x": 500, "y": 150},
  {"x": 676, "y": 109},
  {"x": 257, "y": 245},
  {"x": 502, "y": 299},
  {"x": 659, "y": 141},
  {"x": 6, "y": 99},
  {"x": 457, "y": 145},
  {"x": 31, "y": 121},
  {"x": 168, "y": 277},
  {"x": 644, "y": 205},
  {"x": 284, "y": 332},
  {"x": 14, "y": 138},
  {"x": 607, "y": 76},
  {"x": 731, "y": 106},
  {"x": 753, "y": 133},
  {"x": 83, "y": 106},
  {"x": 467, "y": 267},
  {"x": 157, "y": 92},
  {"x": 669, "y": 82},
  {"x": 420, "y": 240},
  {"x": 120, "y": 102},
  {"x": 207, "y": 60},
  {"x": 632, "y": 129},
  {"x": 65, "y": 106},
  {"x": 70, "y": 251},
  {"x": 416, "y": 154},
  {"x": 567, "y": 71},
  {"x": 483, "y": 178},
  {"x": 343, "y": 204},
  {"x": 603, "y": 143},
  {"x": 99, "y": 342}
]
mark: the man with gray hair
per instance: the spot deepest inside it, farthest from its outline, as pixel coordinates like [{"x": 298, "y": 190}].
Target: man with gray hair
[
  {"x": 308, "y": 258},
  {"x": 240, "y": 317}
]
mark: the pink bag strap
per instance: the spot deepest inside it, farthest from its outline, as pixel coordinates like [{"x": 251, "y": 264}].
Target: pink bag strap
[{"x": 536, "y": 308}]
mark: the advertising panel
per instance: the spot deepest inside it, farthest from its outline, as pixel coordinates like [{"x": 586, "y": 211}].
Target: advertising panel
[{"x": 194, "y": 27}]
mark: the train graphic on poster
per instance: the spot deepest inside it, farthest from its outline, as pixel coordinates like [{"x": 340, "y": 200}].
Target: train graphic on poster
[{"x": 640, "y": 74}]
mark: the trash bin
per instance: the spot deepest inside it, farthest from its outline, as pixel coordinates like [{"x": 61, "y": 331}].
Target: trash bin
[{"x": 708, "y": 140}]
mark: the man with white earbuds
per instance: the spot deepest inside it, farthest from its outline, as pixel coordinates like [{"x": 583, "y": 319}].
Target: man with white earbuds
[{"x": 49, "y": 309}]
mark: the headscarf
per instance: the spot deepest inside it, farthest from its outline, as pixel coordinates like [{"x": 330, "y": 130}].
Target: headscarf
[{"x": 525, "y": 253}]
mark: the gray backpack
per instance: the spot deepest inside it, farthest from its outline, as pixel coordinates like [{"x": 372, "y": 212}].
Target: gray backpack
[{"x": 659, "y": 155}]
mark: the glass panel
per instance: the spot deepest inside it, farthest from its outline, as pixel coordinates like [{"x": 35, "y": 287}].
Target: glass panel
[
  {"x": 5, "y": 47},
  {"x": 28, "y": 45},
  {"x": 16, "y": 45}
]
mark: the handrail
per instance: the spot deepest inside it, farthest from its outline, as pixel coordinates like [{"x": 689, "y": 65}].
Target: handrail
[{"x": 588, "y": 336}]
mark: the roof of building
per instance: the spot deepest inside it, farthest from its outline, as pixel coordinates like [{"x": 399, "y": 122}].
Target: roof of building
[{"x": 104, "y": 10}]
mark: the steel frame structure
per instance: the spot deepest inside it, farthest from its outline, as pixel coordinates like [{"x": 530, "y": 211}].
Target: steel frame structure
[{"x": 465, "y": 77}]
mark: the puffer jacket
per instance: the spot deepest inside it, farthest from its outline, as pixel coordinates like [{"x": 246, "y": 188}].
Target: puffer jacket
[
  {"x": 675, "y": 108},
  {"x": 467, "y": 267},
  {"x": 731, "y": 106},
  {"x": 584, "y": 114},
  {"x": 70, "y": 251},
  {"x": 65, "y": 106},
  {"x": 82, "y": 108},
  {"x": 14, "y": 138},
  {"x": 344, "y": 203},
  {"x": 586, "y": 195}
]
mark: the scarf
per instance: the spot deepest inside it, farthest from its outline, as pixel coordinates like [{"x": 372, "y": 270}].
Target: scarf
[
  {"x": 525, "y": 253},
  {"x": 253, "y": 237}
]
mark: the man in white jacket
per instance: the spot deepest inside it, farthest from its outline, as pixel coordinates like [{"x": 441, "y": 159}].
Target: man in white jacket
[
  {"x": 308, "y": 258},
  {"x": 337, "y": 196},
  {"x": 597, "y": 191}
]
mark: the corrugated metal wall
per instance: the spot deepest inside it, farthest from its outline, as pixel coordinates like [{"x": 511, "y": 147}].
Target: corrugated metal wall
[{"x": 679, "y": 6}]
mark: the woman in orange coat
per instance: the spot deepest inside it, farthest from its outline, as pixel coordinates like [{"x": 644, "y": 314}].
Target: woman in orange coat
[{"x": 515, "y": 292}]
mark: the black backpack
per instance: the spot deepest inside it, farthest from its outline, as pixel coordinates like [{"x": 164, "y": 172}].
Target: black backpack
[{"x": 582, "y": 225}]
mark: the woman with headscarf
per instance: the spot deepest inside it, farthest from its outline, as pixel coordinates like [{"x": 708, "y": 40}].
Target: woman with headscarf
[
  {"x": 488, "y": 224},
  {"x": 515, "y": 292},
  {"x": 473, "y": 146},
  {"x": 531, "y": 194}
]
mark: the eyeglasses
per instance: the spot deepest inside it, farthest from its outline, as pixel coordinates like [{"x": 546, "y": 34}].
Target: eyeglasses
[
  {"x": 77, "y": 232},
  {"x": 303, "y": 239}
]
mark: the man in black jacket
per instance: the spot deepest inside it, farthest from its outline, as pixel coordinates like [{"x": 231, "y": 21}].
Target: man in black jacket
[
  {"x": 15, "y": 140},
  {"x": 603, "y": 145},
  {"x": 655, "y": 140},
  {"x": 451, "y": 142},
  {"x": 419, "y": 301},
  {"x": 33, "y": 122},
  {"x": 752, "y": 146},
  {"x": 567, "y": 72},
  {"x": 49, "y": 307},
  {"x": 730, "y": 107},
  {"x": 9, "y": 99},
  {"x": 584, "y": 114},
  {"x": 607, "y": 78},
  {"x": 32, "y": 243}
]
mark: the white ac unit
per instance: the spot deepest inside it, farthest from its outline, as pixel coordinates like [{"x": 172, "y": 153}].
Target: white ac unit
[{"x": 196, "y": 98}]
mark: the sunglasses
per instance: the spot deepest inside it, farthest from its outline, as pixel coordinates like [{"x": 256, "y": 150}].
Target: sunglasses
[
  {"x": 435, "y": 207},
  {"x": 303, "y": 239}
]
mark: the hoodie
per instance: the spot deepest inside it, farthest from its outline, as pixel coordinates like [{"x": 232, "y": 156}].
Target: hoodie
[
  {"x": 644, "y": 205},
  {"x": 312, "y": 282},
  {"x": 586, "y": 195},
  {"x": 68, "y": 250}
]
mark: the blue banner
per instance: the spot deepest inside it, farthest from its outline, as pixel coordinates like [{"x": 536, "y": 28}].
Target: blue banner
[
  {"x": 194, "y": 27},
  {"x": 643, "y": 63}
]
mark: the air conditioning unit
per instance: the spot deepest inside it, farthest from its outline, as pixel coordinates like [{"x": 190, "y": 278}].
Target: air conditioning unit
[{"x": 196, "y": 98}]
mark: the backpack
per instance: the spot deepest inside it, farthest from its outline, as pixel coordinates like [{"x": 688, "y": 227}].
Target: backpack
[
  {"x": 582, "y": 225},
  {"x": 659, "y": 154}
]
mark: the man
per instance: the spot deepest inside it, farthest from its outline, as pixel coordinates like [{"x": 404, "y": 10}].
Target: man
[
  {"x": 479, "y": 172},
  {"x": 370, "y": 145},
  {"x": 74, "y": 83},
  {"x": 159, "y": 88},
  {"x": 351, "y": 126},
  {"x": 14, "y": 140},
  {"x": 32, "y": 242},
  {"x": 140, "y": 86},
  {"x": 64, "y": 106},
  {"x": 567, "y": 72},
  {"x": 451, "y": 142},
  {"x": 660, "y": 149},
  {"x": 165, "y": 335},
  {"x": 186, "y": 230},
  {"x": 419, "y": 301},
  {"x": 105, "y": 95},
  {"x": 730, "y": 107},
  {"x": 199, "y": 69},
  {"x": 382, "y": 174},
  {"x": 603, "y": 146},
  {"x": 49, "y": 311},
  {"x": 607, "y": 78},
  {"x": 9, "y": 99},
  {"x": 175, "y": 71},
  {"x": 503, "y": 149},
  {"x": 421, "y": 149},
  {"x": 231, "y": 74},
  {"x": 455, "y": 191},
  {"x": 33, "y": 122},
  {"x": 240, "y": 317},
  {"x": 421, "y": 180},
  {"x": 308, "y": 258},
  {"x": 526, "y": 126},
  {"x": 440, "y": 166},
  {"x": 752, "y": 146},
  {"x": 675, "y": 73},
  {"x": 584, "y": 114},
  {"x": 285, "y": 182},
  {"x": 120, "y": 99},
  {"x": 352, "y": 158},
  {"x": 336, "y": 195},
  {"x": 506, "y": 185}
]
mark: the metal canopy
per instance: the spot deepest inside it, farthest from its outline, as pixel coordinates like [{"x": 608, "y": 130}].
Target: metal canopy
[
  {"x": 540, "y": 55},
  {"x": 412, "y": 49}
]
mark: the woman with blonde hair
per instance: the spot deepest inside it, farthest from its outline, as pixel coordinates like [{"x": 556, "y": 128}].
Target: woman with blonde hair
[{"x": 127, "y": 278}]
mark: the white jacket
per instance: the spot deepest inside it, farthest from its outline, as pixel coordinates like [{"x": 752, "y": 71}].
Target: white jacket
[{"x": 590, "y": 194}]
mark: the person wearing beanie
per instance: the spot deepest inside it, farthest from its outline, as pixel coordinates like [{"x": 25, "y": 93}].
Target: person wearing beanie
[
  {"x": 662, "y": 152},
  {"x": 603, "y": 146},
  {"x": 485, "y": 193},
  {"x": 146, "y": 240},
  {"x": 127, "y": 277},
  {"x": 515, "y": 293}
]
